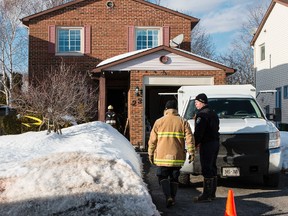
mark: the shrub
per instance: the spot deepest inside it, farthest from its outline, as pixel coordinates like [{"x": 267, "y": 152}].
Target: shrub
[{"x": 10, "y": 124}]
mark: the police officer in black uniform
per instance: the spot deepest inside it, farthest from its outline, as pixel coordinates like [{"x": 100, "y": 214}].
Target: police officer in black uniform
[{"x": 207, "y": 140}]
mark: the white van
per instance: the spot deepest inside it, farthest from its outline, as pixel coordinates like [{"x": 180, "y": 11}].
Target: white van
[{"x": 249, "y": 142}]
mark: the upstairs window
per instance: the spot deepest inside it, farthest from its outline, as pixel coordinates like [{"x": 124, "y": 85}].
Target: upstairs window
[
  {"x": 262, "y": 52},
  {"x": 70, "y": 40},
  {"x": 147, "y": 38}
]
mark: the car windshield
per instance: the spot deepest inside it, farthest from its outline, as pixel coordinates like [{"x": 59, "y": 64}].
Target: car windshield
[{"x": 228, "y": 108}]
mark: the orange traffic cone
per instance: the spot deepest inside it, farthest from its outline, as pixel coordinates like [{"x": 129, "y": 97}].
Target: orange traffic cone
[{"x": 230, "y": 204}]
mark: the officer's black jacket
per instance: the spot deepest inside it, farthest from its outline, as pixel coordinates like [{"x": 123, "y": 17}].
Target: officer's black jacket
[{"x": 206, "y": 126}]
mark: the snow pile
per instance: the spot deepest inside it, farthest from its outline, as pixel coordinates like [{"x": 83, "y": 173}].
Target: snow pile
[
  {"x": 90, "y": 169},
  {"x": 284, "y": 149}
]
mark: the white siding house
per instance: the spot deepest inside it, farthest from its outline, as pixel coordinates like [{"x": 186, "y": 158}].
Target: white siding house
[{"x": 270, "y": 44}]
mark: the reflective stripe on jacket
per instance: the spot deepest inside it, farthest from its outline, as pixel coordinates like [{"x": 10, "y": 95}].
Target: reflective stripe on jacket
[
  {"x": 167, "y": 140},
  {"x": 111, "y": 122}
]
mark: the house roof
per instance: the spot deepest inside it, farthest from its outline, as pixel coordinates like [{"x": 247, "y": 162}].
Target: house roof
[
  {"x": 27, "y": 19},
  {"x": 269, "y": 10},
  {"x": 140, "y": 53}
]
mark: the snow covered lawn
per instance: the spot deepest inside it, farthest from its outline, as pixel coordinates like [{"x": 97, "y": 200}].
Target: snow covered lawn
[{"x": 89, "y": 170}]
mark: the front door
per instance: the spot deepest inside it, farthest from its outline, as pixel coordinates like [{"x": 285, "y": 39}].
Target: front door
[{"x": 117, "y": 85}]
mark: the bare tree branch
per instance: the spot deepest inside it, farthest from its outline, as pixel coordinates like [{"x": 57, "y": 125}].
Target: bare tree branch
[
  {"x": 64, "y": 92},
  {"x": 240, "y": 56},
  {"x": 13, "y": 45},
  {"x": 201, "y": 43}
]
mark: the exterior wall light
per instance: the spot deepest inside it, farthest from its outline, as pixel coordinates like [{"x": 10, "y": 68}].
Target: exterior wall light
[{"x": 138, "y": 91}]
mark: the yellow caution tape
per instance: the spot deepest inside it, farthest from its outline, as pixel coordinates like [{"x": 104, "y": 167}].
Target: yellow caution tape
[
  {"x": 38, "y": 121},
  {"x": 25, "y": 124}
]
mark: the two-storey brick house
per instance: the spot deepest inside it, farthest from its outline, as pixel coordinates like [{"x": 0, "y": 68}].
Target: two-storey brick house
[{"x": 125, "y": 44}]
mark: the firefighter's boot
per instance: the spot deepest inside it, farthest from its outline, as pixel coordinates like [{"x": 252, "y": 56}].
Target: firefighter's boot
[
  {"x": 214, "y": 188},
  {"x": 173, "y": 188},
  {"x": 207, "y": 190},
  {"x": 165, "y": 183}
]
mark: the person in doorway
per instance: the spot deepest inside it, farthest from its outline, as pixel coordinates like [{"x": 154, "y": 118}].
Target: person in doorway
[
  {"x": 111, "y": 117},
  {"x": 166, "y": 149},
  {"x": 206, "y": 136}
]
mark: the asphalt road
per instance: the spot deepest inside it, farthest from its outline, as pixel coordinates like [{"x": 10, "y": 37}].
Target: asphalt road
[{"x": 251, "y": 197}]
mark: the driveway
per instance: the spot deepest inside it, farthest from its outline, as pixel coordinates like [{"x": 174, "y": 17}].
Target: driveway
[{"x": 250, "y": 196}]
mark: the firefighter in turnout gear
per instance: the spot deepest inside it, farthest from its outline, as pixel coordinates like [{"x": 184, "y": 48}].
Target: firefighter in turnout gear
[
  {"x": 167, "y": 149},
  {"x": 206, "y": 136},
  {"x": 111, "y": 117}
]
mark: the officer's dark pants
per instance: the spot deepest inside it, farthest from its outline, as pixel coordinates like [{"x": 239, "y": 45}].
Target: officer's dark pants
[
  {"x": 208, "y": 158},
  {"x": 171, "y": 173}
]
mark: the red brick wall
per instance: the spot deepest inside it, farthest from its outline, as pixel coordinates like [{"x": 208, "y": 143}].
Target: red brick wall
[
  {"x": 136, "y": 110},
  {"x": 109, "y": 31},
  {"x": 109, "y": 37}
]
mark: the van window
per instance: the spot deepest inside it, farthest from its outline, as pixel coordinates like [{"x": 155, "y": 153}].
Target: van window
[{"x": 228, "y": 108}]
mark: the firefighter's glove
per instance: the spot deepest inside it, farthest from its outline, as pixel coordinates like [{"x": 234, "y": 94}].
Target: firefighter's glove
[
  {"x": 151, "y": 159},
  {"x": 191, "y": 157}
]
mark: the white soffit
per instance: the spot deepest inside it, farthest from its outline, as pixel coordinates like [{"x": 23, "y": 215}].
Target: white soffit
[
  {"x": 177, "y": 81},
  {"x": 152, "y": 62}
]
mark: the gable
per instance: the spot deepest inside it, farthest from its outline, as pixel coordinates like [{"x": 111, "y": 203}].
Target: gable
[
  {"x": 101, "y": 32},
  {"x": 271, "y": 45},
  {"x": 26, "y": 20},
  {"x": 152, "y": 59},
  {"x": 266, "y": 16},
  {"x": 153, "y": 62}
]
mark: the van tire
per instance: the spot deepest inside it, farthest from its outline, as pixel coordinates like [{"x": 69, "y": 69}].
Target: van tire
[
  {"x": 271, "y": 180},
  {"x": 184, "y": 179}
]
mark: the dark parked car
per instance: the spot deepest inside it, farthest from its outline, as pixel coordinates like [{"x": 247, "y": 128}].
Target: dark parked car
[
  {"x": 9, "y": 124},
  {"x": 6, "y": 110}
]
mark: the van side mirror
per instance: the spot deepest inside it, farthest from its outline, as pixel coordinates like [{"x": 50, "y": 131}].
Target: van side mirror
[{"x": 275, "y": 116}]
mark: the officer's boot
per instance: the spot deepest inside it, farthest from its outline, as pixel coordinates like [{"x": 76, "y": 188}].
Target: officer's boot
[
  {"x": 173, "y": 188},
  {"x": 165, "y": 183},
  {"x": 207, "y": 190},
  {"x": 214, "y": 188}
]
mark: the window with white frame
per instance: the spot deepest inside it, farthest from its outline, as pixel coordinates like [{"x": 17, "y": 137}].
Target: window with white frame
[
  {"x": 285, "y": 92},
  {"x": 262, "y": 52},
  {"x": 70, "y": 40},
  {"x": 147, "y": 38}
]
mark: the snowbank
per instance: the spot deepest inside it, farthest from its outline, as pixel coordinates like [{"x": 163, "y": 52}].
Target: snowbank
[{"x": 89, "y": 170}]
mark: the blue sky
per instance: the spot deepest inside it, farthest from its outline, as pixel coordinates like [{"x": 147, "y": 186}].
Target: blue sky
[{"x": 222, "y": 19}]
